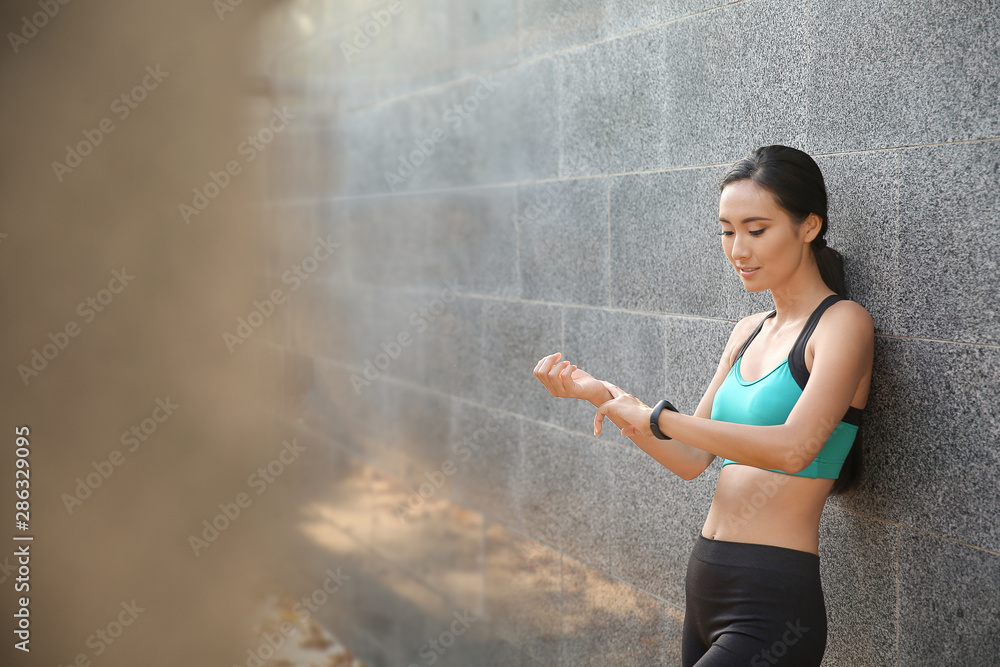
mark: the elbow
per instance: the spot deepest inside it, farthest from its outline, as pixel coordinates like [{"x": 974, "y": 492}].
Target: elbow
[
  {"x": 796, "y": 458},
  {"x": 687, "y": 476},
  {"x": 693, "y": 471},
  {"x": 793, "y": 469}
]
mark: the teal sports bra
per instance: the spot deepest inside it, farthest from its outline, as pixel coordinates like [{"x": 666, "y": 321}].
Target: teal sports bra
[{"x": 768, "y": 400}]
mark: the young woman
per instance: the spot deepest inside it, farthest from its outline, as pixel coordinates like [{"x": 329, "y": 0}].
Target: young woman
[{"x": 783, "y": 411}]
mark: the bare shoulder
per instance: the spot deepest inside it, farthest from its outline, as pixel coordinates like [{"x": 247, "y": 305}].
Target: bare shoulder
[
  {"x": 847, "y": 326},
  {"x": 846, "y": 317}
]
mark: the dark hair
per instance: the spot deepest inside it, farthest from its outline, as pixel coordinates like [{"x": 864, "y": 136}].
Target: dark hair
[{"x": 795, "y": 181}]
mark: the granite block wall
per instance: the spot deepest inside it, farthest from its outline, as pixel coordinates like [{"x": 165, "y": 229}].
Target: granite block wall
[{"x": 510, "y": 179}]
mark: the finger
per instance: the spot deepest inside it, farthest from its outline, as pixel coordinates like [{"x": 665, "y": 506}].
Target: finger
[
  {"x": 563, "y": 377},
  {"x": 598, "y": 421},
  {"x": 568, "y": 381},
  {"x": 615, "y": 390},
  {"x": 559, "y": 373},
  {"x": 544, "y": 369},
  {"x": 556, "y": 370},
  {"x": 545, "y": 364}
]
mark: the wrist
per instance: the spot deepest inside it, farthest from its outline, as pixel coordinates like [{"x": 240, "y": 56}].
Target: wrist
[
  {"x": 654, "y": 419},
  {"x": 647, "y": 430},
  {"x": 600, "y": 396}
]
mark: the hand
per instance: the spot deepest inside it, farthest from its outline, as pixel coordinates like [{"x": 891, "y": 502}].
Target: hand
[
  {"x": 614, "y": 389},
  {"x": 627, "y": 408},
  {"x": 564, "y": 380}
]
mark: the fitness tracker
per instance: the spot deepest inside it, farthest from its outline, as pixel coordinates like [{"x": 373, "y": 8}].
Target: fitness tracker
[{"x": 654, "y": 417}]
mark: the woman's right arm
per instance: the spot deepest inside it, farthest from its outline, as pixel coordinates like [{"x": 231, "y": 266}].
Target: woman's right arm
[{"x": 684, "y": 460}]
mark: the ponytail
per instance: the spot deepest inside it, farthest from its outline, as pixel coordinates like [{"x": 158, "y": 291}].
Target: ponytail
[{"x": 830, "y": 263}]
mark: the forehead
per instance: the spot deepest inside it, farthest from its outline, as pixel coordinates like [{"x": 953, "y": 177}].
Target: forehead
[{"x": 745, "y": 198}]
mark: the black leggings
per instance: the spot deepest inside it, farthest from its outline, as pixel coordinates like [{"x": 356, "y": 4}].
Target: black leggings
[{"x": 754, "y": 605}]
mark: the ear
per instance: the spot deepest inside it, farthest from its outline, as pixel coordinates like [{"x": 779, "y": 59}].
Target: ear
[{"x": 812, "y": 226}]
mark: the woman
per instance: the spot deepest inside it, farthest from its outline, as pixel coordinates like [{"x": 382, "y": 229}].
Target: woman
[{"x": 783, "y": 410}]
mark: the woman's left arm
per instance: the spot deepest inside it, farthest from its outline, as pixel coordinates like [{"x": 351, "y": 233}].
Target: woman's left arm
[{"x": 844, "y": 353}]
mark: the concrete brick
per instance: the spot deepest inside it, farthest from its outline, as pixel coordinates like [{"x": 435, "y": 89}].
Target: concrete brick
[
  {"x": 949, "y": 602},
  {"x": 472, "y": 241},
  {"x": 612, "y": 105},
  {"x": 929, "y": 434},
  {"x": 859, "y": 569},
  {"x": 372, "y": 140},
  {"x": 485, "y": 447},
  {"x": 482, "y": 35},
  {"x": 516, "y": 336},
  {"x": 563, "y": 241},
  {"x": 418, "y": 434},
  {"x": 628, "y": 15},
  {"x": 659, "y": 516},
  {"x": 694, "y": 348},
  {"x": 626, "y": 349},
  {"x": 451, "y": 344},
  {"x": 606, "y": 621},
  {"x": 901, "y": 73},
  {"x": 564, "y": 489},
  {"x": 554, "y": 25},
  {"x": 735, "y": 79},
  {"x": 497, "y": 127},
  {"x": 388, "y": 240},
  {"x": 863, "y": 226},
  {"x": 949, "y": 251}
]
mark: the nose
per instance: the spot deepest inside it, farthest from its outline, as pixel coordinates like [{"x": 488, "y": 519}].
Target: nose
[{"x": 741, "y": 246}]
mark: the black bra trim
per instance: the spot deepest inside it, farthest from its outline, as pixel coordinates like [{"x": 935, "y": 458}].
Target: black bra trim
[
  {"x": 797, "y": 356},
  {"x": 853, "y": 415},
  {"x": 756, "y": 331}
]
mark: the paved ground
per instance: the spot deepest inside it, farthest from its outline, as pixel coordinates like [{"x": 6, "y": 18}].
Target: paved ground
[{"x": 288, "y": 639}]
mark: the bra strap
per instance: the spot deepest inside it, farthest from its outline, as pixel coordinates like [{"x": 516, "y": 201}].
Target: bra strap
[
  {"x": 797, "y": 357},
  {"x": 753, "y": 335}
]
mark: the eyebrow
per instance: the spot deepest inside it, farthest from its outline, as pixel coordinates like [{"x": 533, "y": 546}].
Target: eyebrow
[{"x": 745, "y": 220}]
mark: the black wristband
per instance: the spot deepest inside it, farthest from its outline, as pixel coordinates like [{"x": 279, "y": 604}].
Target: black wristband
[{"x": 654, "y": 417}]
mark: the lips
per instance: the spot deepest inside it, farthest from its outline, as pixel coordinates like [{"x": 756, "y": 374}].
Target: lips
[{"x": 747, "y": 270}]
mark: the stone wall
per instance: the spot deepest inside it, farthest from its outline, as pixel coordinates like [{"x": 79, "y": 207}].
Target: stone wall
[{"x": 507, "y": 180}]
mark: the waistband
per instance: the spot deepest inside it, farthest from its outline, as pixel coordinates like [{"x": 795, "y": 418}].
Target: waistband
[{"x": 761, "y": 556}]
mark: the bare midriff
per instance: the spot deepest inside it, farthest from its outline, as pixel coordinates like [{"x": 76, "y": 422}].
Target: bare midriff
[{"x": 764, "y": 507}]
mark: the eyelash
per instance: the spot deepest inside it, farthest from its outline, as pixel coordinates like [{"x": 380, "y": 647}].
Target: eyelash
[{"x": 756, "y": 232}]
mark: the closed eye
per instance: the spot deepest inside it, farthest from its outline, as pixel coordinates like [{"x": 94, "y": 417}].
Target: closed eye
[{"x": 756, "y": 232}]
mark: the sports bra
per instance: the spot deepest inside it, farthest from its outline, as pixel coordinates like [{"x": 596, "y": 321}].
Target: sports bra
[{"x": 768, "y": 400}]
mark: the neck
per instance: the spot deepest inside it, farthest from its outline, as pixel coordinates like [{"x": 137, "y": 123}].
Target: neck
[{"x": 796, "y": 298}]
